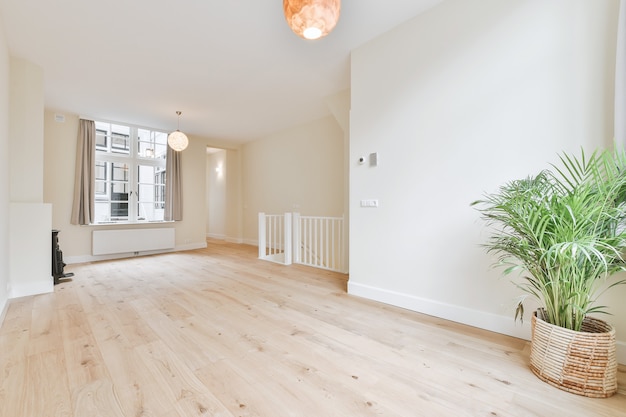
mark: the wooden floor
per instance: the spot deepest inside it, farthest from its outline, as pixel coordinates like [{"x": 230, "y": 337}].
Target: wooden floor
[{"x": 217, "y": 332}]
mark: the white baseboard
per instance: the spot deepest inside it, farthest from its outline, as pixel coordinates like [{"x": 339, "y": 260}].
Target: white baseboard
[
  {"x": 93, "y": 258},
  {"x": 23, "y": 290},
  {"x": 476, "y": 318},
  {"x": 225, "y": 238},
  {"x": 216, "y": 236},
  {"x": 253, "y": 242},
  {"x": 4, "y": 306},
  {"x": 191, "y": 246},
  {"x": 234, "y": 240}
]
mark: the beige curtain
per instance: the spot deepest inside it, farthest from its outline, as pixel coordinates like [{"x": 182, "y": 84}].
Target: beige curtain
[
  {"x": 173, "y": 186},
  {"x": 84, "y": 179}
]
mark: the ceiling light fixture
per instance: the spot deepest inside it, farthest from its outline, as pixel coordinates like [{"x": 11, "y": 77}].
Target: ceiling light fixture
[
  {"x": 312, "y": 19},
  {"x": 177, "y": 140}
]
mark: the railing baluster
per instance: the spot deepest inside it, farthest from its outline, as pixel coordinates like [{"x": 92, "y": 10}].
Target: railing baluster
[
  {"x": 274, "y": 233},
  {"x": 307, "y": 245},
  {"x": 262, "y": 237},
  {"x": 309, "y": 240},
  {"x": 296, "y": 230},
  {"x": 287, "y": 235},
  {"x": 331, "y": 244},
  {"x": 269, "y": 234},
  {"x": 314, "y": 255},
  {"x": 327, "y": 243},
  {"x": 279, "y": 224}
]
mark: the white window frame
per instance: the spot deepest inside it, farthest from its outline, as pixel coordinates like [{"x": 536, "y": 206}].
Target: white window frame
[{"x": 152, "y": 156}]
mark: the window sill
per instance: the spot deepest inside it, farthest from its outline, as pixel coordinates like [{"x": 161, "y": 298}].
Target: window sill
[{"x": 131, "y": 223}]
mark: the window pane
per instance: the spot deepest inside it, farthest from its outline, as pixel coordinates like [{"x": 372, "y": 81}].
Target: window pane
[
  {"x": 103, "y": 127},
  {"x": 120, "y": 172},
  {"x": 145, "y": 144},
  {"x": 119, "y": 143},
  {"x": 146, "y": 174},
  {"x": 119, "y": 211},
  {"x": 120, "y": 130},
  {"x": 101, "y": 188},
  {"x": 119, "y": 191},
  {"x": 101, "y": 139},
  {"x": 160, "y": 138},
  {"x": 126, "y": 154},
  {"x": 160, "y": 147},
  {"x": 101, "y": 177},
  {"x": 159, "y": 176},
  {"x": 119, "y": 201},
  {"x": 146, "y": 150},
  {"x": 151, "y": 144},
  {"x": 101, "y": 172},
  {"x": 112, "y": 138},
  {"x": 159, "y": 196},
  {"x": 146, "y": 192},
  {"x": 148, "y": 205},
  {"x": 148, "y": 212},
  {"x": 103, "y": 211}
]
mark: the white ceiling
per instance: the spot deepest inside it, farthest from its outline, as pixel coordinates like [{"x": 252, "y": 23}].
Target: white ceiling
[{"x": 233, "y": 67}]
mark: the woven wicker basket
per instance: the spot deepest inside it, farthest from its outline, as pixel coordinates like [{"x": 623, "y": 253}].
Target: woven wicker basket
[{"x": 582, "y": 362}]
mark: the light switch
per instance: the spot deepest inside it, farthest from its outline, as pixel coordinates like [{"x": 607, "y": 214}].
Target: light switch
[{"x": 374, "y": 159}]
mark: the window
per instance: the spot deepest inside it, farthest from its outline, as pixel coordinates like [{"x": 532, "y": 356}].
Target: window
[{"x": 130, "y": 173}]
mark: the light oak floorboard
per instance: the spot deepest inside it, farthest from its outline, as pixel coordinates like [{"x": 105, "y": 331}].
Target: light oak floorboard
[{"x": 217, "y": 332}]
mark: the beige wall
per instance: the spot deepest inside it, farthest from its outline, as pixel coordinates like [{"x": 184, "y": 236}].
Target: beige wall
[
  {"x": 4, "y": 171},
  {"x": 59, "y": 157},
  {"x": 299, "y": 169},
  {"x": 234, "y": 209},
  {"x": 216, "y": 194},
  {"x": 30, "y": 225},
  {"x": 488, "y": 91},
  {"x": 59, "y": 162},
  {"x": 26, "y": 130}
]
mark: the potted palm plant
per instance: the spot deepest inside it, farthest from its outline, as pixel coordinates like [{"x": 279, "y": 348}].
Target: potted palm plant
[{"x": 564, "y": 230}]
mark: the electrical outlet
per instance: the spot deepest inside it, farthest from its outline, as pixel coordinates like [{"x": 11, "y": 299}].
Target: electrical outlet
[{"x": 369, "y": 203}]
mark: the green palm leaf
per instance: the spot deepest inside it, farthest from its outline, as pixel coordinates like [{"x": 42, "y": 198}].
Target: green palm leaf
[{"x": 566, "y": 227}]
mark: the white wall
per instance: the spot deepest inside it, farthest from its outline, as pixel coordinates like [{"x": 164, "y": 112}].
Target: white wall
[
  {"x": 4, "y": 171},
  {"x": 30, "y": 235},
  {"x": 457, "y": 101},
  {"x": 299, "y": 169}
]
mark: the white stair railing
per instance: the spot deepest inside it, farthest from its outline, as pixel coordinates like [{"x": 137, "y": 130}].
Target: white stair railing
[
  {"x": 275, "y": 237},
  {"x": 312, "y": 240},
  {"x": 319, "y": 242}
]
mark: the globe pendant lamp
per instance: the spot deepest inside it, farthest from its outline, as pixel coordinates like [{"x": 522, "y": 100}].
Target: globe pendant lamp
[
  {"x": 312, "y": 19},
  {"x": 178, "y": 140}
]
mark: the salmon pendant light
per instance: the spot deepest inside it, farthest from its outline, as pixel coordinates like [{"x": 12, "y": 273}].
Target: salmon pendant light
[{"x": 312, "y": 19}]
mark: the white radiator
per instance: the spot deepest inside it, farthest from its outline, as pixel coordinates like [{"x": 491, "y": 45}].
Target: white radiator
[{"x": 106, "y": 242}]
